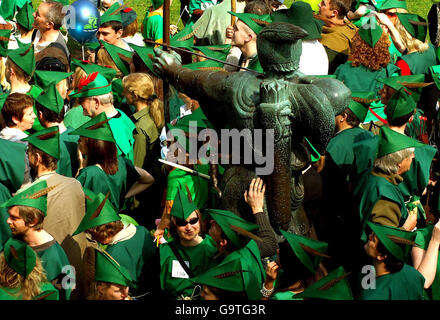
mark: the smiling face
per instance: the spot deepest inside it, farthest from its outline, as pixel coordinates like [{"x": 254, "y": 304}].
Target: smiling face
[
  {"x": 190, "y": 231},
  {"x": 27, "y": 121}
]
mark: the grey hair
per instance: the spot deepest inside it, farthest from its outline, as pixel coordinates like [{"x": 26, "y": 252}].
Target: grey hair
[
  {"x": 390, "y": 163},
  {"x": 105, "y": 98},
  {"x": 55, "y": 14}
]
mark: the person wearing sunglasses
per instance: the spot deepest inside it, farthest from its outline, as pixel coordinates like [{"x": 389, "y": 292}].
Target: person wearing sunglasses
[{"x": 187, "y": 254}]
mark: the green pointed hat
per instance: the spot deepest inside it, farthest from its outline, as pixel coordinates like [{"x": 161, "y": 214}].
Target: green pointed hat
[
  {"x": 370, "y": 31},
  {"x": 128, "y": 16},
  {"x": 51, "y": 99},
  {"x": 20, "y": 257},
  {"x": 89, "y": 68},
  {"x": 47, "y": 140},
  {"x": 218, "y": 51},
  {"x": 7, "y": 9},
  {"x": 51, "y": 294},
  {"x": 391, "y": 141},
  {"x": 45, "y": 78},
  {"x": 253, "y": 21},
  {"x": 332, "y": 287},
  {"x": 359, "y": 104},
  {"x": 310, "y": 252},
  {"x": 24, "y": 58},
  {"x": 232, "y": 225},
  {"x": 399, "y": 82},
  {"x": 107, "y": 269},
  {"x": 183, "y": 205},
  {"x": 112, "y": 14},
  {"x": 4, "y": 42},
  {"x": 414, "y": 24},
  {"x": 394, "y": 4},
  {"x": 94, "y": 84},
  {"x": 397, "y": 241},
  {"x": 184, "y": 38},
  {"x": 25, "y": 16},
  {"x": 157, "y": 3},
  {"x": 227, "y": 276},
  {"x": 435, "y": 72},
  {"x": 207, "y": 65},
  {"x": 119, "y": 56},
  {"x": 99, "y": 211},
  {"x": 146, "y": 54},
  {"x": 96, "y": 128},
  {"x": 400, "y": 104},
  {"x": 35, "y": 196}
]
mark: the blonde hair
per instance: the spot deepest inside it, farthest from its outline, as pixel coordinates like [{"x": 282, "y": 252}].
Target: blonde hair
[
  {"x": 130, "y": 30},
  {"x": 29, "y": 286},
  {"x": 77, "y": 75},
  {"x": 104, "y": 59},
  {"x": 142, "y": 86},
  {"x": 411, "y": 44},
  {"x": 95, "y": 293}
]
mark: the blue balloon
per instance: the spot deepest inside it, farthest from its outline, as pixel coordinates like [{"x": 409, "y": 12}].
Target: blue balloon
[{"x": 82, "y": 21}]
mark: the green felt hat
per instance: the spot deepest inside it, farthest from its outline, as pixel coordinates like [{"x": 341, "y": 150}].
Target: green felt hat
[
  {"x": 253, "y": 21},
  {"x": 128, "y": 16},
  {"x": 183, "y": 205},
  {"x": 310, "y": 252},
  {"x": 207, "y": 65},
  {"x": 89, "y": 68},
  {"x": 300, "y": 14},
  {"x": 332, "y": 287},
  {"x": 4, "y": 42},
  {"x": 47, "y": 140},
  {"x": 51, "y": 99},
  {"x": 435, "y": 72},
  {"x": 20, "y": 257},
  {"x": 397, "y": 241},
  {"x": 146, "y": 54},
  {"x": 96, "y": 128},
  {"x": 359, "y": 104},
  {"x": 394, "y": 4},
  {"x": 112, "y": 14},
  {"x": 157, "y": 3},
  {"x": 107, "y": 269},
  {"x": 99, "y": 211},
  {"x": 370, "y": 31},
  {"x": 45, "y": 78},
  {"x": 25, "y": 16},
  {"x": 24, "y": 58},
  {"x": 119, "y": 56},
  {"x": 232, "y": 225},
  {"x": 227, "y": 276},
  {"x": 35, "y": 196},
  {"x": 92, "y": 85},
  {"x": 391, "y": 141},
  {"x": 400, "y": 104},
  {"x": 215, "y": 51},
  {"x": 51, "y": 294},
  {"x": 414, "y": 24},
  {"x": 184, "y": 38},
  {"x": 8, "y": 9},
  {"x": 398, "y": 82}
]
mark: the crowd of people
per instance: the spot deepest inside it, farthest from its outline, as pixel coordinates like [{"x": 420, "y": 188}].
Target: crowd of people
[{"x": 88, "y": 212}]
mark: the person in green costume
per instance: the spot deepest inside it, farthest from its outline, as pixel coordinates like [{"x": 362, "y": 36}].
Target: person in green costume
[
  {"x": 132, "y": 246},
  {"x": 25, "y": 20},
  {"x": 18, "y": 115},
  {"x": 101, "y": 170},
  {"x": 110, "y": 29},
  {"x": 152, "y": 25},
  {"x": 96, "y": 97},
  {"x": 299, "y": 259},
  {"x": 388, "y": 248},
  {"x": 27, "y": 210},
  {"x": 186, "y": 254},
  {"x": 22, "y": 276},
  {"x": 115, "y": 57},
  {"x": 112, "y": 280}
]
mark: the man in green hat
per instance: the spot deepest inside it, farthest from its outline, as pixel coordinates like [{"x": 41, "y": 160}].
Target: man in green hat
[
  {"x": 110, "y": 30},
  {"x": 96, "y": 96},
  {"x": 389, "y": 247},
  {"x": 25, "y": 20},
  {"x": 27, "y": 210}
]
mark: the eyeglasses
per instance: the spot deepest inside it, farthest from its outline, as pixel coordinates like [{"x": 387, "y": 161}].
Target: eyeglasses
[{"x": 183, "y": 223}]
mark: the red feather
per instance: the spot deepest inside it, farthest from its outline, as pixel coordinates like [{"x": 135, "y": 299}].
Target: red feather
[
  {"x": 86, "y": 80},
  {"x": 127, "y": 10},
  {"x": 85, "y": 61}
]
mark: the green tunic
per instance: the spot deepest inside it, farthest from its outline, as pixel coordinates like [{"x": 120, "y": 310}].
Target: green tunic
[
  {"x": 64, "y": 163},
  {"x": 75, "y": 118},
  {"x": 54, "y": 259},
  {"x": 153, "y": 26},
  {"x": 123, "y": 128},
  {"x": 200, "y": 259},
  {"x": 12, "y": 294},
  {"x": 71, "y": 143},
  {"x": 5, "y": 231},
  {"x": 34, "y": 92},
  {"x": 406, "y": 284},
  {"x": 419, "y": 62}
]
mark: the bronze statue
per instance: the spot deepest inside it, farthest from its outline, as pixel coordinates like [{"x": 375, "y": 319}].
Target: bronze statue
[{"x": 292, "y": 104}]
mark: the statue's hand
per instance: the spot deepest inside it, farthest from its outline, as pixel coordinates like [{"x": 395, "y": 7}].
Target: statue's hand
[{"x": 164, "y": 60}]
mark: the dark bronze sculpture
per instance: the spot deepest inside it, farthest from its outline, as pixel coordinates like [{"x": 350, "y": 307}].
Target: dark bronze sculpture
[{"x": 292, "y": 104}]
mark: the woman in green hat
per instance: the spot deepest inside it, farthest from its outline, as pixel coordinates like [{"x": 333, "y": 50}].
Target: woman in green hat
[{"x": 25, "y": 20}]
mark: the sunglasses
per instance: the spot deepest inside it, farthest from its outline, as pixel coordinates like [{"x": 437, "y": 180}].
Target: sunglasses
[{"x": 183, "y": 223}]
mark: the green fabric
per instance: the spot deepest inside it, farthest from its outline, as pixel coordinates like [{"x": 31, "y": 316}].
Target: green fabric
[
  {"x": 217, "y": 52},
  {"x": 338, "y": 291},
  {"x": 107, "y": 269},
  {"x": 122, "y": 128},
  {"x": 396, "y": 82},
  {"x": 47, "y": 140},
  {"x": 391, "y": 141},
  {"x": 111, "y": 14},
  {"x": 255, "y": 65},
  {"x": 8, "y": 9},
  {"x": 99, "y": 211},
  {"x": 417, "y": 31},
  {"x": 47, "y": 294},
  {"x": 65, "y": 162},
  {"x": 400, "y": 104},
  {"x": 419, "y": 62},
  {"x": 144, "y": 53},
  {"x": 24, "y": 58},
  {"x": 5, "y": 231},
  {"x": 360, "y": 109},
  {"x": 252, "y": 20},
  {"x": 5, "y": 34},
  {"x": 100, "y": 132},
  {"x": 435, "y": 72},
  {"x": 182, "y": 206},
  {"x": 157, "y": 3},
  {"x": 51, "y": 99},
  {"x": 12, "y": 293},
  {"x": 12, "y": 164},
  {"x": 95, "y": 84},
  {"x": 406, "y": 284},
  {"x": 391, "y": 4},
  {"x": 153, "y": 27},
  {"x": 34, "y": 92},
  {"x": 370, "y": 32},
  {"x": 46, "y": 78},
  {"x": 115, "y": 52},
  {"x": 128, "y": 16},
  {"x": 89, "y": 68},
  {"x": 23, "y": 198},
  {"x": 227, "y": 219},
  {"x": 19, "y": 256},
  {"x": 75, "y": 118},
  {"x": 200, "y": 258},
  {"x": 183, "y": 39},
  {"x": 25, "y": 16}
]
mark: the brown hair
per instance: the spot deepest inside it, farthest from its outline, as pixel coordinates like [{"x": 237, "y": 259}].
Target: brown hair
[
  {"x": 49, "y": 115},
  {"x": 130, "y": 30},
  {"x": 104, "y": 231},
  {"x": 29, "y": 286},
  {"x": 19, "y": 73},
  {"x": 103, "y": 153},
  {"x": 14, "y": 107},
  {"x": 343, "y": 6},
  {"x": 30, "y": 215},
  {"x": 46, "y": 159},
  {"x": 352, "y": 120},
  {"x": 372, "y": 58},
  {"x": 115, "y": 25}
]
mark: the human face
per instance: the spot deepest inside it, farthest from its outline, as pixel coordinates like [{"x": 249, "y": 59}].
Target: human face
[
  {"x": 113, "y": 292},
  {"x": 129, "y": 96},
  {"x": 405, "y": 165},
  {"x": 28, "y": 119},
  {"x": 40, "y": 21},
  {"x": 215, "y": 232},
  {"x": 190, "y": 231},
  {"x": 88, "y": 106},
  {"x": 241, "y": 34},
  {"x": 15, "y": 222},
  {"x": 109, "y": 35},
  {"x": 207, "y": 294},
  {"x": 324, "y": 9}
]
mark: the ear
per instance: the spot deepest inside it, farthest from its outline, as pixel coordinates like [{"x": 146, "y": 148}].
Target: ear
[
  {"x": 40, "y": 115},
  {"x": 223, "y": 242},
  {"x": 119, "y": 33},
  {"x": 381, "y": 257},
  {"x": 15, "y": 120}
]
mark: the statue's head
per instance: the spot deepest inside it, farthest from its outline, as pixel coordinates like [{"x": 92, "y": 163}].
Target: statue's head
[{"x": 279, "y": 47}]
